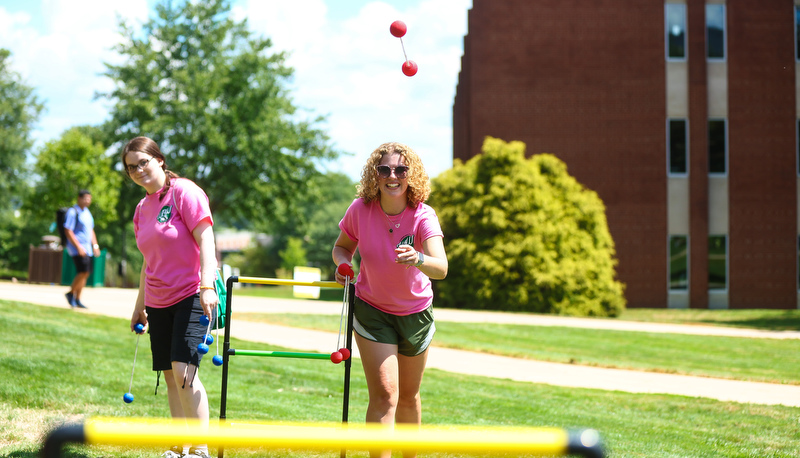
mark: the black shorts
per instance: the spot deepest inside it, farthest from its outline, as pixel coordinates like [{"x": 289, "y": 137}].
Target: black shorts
[
  {"x": 175, "y": 332},
  {"x": 82, "y": 263}
]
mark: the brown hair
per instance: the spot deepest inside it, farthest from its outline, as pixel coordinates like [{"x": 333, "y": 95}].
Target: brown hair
[
  {"x": 148, "y": 146},
  {"x": 419, "y": 185}
]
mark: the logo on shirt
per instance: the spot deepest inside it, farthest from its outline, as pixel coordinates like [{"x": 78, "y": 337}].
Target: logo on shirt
[
  {"x": 407, "y": 240},
  {"x": 165, "y": 214}
]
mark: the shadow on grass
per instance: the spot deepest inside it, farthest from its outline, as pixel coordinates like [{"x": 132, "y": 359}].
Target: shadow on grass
[
  {"x": 67, "y": 452},
  {"x": 788, "y": 321}
]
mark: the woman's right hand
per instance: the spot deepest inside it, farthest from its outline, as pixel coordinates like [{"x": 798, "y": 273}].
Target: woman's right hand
[
  {"x": 343, "y": 271},
  {"x": 139, "y": 316}
]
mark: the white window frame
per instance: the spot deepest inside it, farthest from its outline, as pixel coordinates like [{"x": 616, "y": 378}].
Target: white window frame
[
  {"x": 667, "y": 7},
  {"x": 670, "y": 173},
  {"x": 724, "y": 32},
  {"x": 670, "y": 289},
  {"x": 708, "y": 156}
]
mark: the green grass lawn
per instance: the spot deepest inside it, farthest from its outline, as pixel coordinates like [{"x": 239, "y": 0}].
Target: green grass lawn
[
  {"x": 59, "y": 365},
  {"x": 774, "y": 320},
  {"x": 763, "y": 360}
]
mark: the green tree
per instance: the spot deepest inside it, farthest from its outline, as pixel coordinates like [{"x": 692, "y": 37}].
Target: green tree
[
  {"x": 19, "y": 111},
  {"x": 292, "y": 256},
  {"x": 523, "y": 235},
  {"x": 326, "y": 206},
  {"x": 209, "y": 92},
  {"x": 64, "y": 167},
  {"x": 322, "y": 209}
]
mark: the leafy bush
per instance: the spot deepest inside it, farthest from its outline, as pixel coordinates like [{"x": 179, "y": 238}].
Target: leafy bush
[{"x": 523, "y": 235}]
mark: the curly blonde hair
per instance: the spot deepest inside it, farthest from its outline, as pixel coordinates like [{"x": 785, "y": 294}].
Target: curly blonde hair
[{"x": 419, "y": 185}]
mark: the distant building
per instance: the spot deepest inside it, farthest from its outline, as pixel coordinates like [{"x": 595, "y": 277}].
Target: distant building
[{"x": 682, "y": 115}]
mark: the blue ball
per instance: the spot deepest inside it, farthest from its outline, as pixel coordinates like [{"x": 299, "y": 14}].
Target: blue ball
[
  {"x": 139, "y": 328},
  {"x": 209, "y": 339},
  {"x": 217, "y": 360},
  {"x": 128, "y": 398},
  {"x": 204, "y": 320},
  {"x": 202, "y": 348}
]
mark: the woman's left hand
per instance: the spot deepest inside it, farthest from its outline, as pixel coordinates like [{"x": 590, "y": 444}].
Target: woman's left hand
[
  {"x": 406, "y": 254},
  {"x": 208, "y": 300}
]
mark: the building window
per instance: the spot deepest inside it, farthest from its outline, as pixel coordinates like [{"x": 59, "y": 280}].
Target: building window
[
  {"x": 717, "y": 262},
  {"x": 676, "y": 146},
  {"x": 675, "y": 15},
  {"x": 678, "y": 263},
  {"x": 717, "y": 146},
  {"x": 715, "y": 31}
]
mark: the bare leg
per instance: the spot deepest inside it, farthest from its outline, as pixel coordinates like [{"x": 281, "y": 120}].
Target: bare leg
[
  {"x": 409, "y": 403},
  {"x": 381, "y": 371},
  {"x": 78, "y": 283},
  {"x": 191, "y": 393}
]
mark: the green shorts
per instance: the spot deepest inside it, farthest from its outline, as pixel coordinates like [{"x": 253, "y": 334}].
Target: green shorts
[{"x": 411, "y": 333}]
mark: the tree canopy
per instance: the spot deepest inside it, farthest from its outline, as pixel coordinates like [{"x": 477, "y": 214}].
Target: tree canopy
[
  {"x": 523, "y": 235},
  {"x": 19, "y": 111},
  {"x": 213, "y": 96},
  {"x": 71, "y": 163}
]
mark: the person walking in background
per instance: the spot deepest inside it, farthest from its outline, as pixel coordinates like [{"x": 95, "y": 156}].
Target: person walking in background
[
  {"x": 401, "y": 246},
  {"x": 81, "y": 245},
  {"x": 173, "y": 229}
]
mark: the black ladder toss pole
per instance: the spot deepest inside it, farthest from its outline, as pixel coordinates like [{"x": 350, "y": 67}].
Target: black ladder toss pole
[
  {"x": 223, "y": 401},
  {"x": 349, "y": 362}
]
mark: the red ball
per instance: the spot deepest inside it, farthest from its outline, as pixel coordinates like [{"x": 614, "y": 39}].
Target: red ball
[
  {"x": 398, "y": 28},
  {"x": 345, "y": 353},
  {"x": 336, "y": 357},
  {"x": 410, "y": 68}
]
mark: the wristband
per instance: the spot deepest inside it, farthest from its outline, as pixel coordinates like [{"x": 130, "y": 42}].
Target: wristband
[
  {"x": 421, "y": 259},
  {"x": 206, "y": 287}
]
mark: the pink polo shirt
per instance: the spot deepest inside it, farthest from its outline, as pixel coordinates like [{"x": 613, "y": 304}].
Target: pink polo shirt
[
  {"x": 384, "y": 284},
  {"x": 163, "y": 230}
]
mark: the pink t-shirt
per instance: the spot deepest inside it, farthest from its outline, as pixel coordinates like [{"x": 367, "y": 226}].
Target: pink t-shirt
[
  {"x": 163, "y": 232},
  {"x": 384, "y": 284}
]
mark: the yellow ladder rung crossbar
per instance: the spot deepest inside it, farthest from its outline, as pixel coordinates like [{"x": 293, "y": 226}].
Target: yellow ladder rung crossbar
[{"x": 286, "y": 282}]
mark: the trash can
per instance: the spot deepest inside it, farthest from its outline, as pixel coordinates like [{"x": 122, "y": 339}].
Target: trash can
[
  {"x": 44, "y": 264},
  {"x": 97, "y": 277}
]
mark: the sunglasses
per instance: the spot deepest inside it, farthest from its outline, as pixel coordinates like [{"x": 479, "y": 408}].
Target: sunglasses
[{"x": 384, "y": 171}]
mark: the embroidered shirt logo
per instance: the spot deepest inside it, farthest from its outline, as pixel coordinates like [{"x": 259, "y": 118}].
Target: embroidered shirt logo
[
  {"x": 407, "y": 240},
  {"x": 165, "y": 214}
]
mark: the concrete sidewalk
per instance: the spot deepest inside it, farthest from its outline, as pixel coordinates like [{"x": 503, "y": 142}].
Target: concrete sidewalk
[{"x": 119, "y": 303}]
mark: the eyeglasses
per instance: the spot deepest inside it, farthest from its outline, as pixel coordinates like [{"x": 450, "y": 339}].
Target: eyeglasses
[
  {"x": 140, "y": 166},
  {"x": 384, "y": 171}
]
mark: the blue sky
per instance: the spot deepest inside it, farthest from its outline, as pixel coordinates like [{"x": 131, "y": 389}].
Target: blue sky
[{"x": 347, "y": 65}]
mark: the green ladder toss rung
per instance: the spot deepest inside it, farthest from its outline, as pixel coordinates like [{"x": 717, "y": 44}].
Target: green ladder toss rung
[{"x": 279, "y": 354}]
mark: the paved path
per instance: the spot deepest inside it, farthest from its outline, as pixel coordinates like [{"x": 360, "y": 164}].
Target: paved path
[{"x": 119, "y": 303}]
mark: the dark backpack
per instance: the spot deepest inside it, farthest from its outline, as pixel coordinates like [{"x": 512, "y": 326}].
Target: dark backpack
[{"x": 61, "y": 218}]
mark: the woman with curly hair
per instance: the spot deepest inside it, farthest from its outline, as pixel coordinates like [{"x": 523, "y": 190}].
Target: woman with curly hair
[{"x": 400, "y": 242}]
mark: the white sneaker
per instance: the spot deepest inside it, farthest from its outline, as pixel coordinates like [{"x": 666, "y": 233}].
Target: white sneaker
[
  {"x": 174, "y": 452},
  {"x": 194, "y": 452}
]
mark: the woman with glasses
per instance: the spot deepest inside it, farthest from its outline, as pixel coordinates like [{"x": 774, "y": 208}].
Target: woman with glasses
[
  {"x": 173, "y": 228},
  {"x": 400, "y": 243}
]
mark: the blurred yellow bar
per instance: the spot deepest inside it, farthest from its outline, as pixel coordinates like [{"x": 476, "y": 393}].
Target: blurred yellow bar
[{"x": 329, "y": 436}]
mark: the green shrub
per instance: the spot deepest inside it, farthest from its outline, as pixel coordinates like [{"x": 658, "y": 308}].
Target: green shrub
[{"x": 523, "y": 235}]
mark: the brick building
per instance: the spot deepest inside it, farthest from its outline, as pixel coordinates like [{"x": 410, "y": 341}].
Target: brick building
[{"x": 683, "y": 116}]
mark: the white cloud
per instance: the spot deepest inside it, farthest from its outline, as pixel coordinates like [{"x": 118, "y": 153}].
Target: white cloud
[
  {"x": 63, "y": 59},
  {"x": 347, "y": 65},
  {"x": 350, "y": 71}
]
